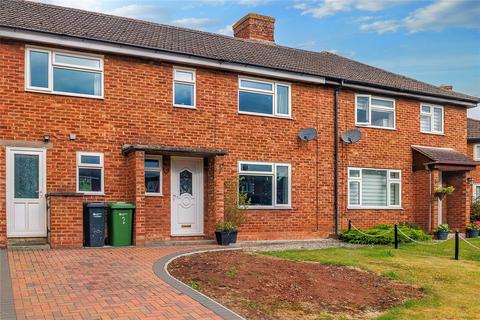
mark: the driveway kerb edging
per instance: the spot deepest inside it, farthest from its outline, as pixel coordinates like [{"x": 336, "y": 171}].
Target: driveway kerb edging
[
  {"x": 160, "y": 269},
  {"x": 7, "y": 304}
]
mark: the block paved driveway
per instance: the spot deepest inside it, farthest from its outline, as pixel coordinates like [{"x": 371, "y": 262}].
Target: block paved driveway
[{"x": 107, "y": 283}]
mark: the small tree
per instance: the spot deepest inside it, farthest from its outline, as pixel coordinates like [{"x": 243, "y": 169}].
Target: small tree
[{"x": 235, "y": 204}]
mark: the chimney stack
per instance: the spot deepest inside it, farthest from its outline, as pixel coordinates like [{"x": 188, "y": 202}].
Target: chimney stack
[
  {"x": 255, "y": 27},
  {"x": 447, "y": 87}
]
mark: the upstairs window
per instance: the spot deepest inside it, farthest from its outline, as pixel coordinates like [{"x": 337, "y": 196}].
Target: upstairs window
[
  {"x": 431, "y": 118},
  {"x": 374, "y": 188},
  {"x": 90, "y": 172},
  {"x": 267, "y": 185},
  {"x": 476, "y": 152},
  {"x": 375, "y": 111},
  {"x": 183, "y": 88},
  {"x": 264, "y": 98},
  {"x": 153, "y": 175},
  {"x": 65, "y": 73}
]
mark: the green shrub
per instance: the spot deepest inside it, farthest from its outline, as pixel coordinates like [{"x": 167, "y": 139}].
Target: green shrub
[
  {"x": 384, "y": 234},
  {"x": 475, "y": 210}
]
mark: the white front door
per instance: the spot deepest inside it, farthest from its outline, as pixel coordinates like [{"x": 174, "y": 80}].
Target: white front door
[
  {"x": 26, "y": 186},
  {"x": 440, "y": 202},
  {"x": 187, "y": 196}
]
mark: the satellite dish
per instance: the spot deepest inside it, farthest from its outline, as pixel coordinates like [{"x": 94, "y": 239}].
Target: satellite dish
[
  {"x": 307, "y": 134},
  {"x": 351, "y": 136}
]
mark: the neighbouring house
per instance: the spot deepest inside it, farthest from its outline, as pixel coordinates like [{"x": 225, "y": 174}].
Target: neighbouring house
[
  {"x": 474, "y": 152},
  {"x": 96, "y": 107}
]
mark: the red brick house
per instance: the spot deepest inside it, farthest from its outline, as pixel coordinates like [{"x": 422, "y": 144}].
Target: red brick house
[
  {"x": 473, "y": 129},
  {"x": 103, "y": 108}
]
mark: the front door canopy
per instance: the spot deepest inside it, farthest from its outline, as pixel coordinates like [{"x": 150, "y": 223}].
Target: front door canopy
[
  {"x": 444, "y": 159},
  {"x": 173, "y": 150}
]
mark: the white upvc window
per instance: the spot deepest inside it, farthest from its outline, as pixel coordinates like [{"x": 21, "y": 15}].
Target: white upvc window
[
  {"x": 63, "y": 72},
  {"x": 267, "y": 185},
  {"x": 476, "y": 152},
  {"x": 431, "y": 118},
  {"x": 374, "y": 188},
  {"x": 374, "y": 111},
  {"x": 476, "y": 191},
  {"x": 90, "y": 173},
  {"x": 153, "y": 175},
  {"x": 264, "y": 97},
  {"x": 184, "y": 88}
]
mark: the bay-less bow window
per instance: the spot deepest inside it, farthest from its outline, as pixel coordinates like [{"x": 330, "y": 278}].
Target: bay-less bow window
[
  {"x": 267, "y": 185},
  {"x": 374, "y": 111},
  {"x": 65, "y": 73},
  {"x": 263, "y": 97},
  {"x": 374, "y": 188},
  {"x": 431, "y": 118}
]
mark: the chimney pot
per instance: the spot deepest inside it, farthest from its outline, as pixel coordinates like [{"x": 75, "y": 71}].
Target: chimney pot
[
  {"x": 446, "y": 87},
  {"x": 255, "y": 26}
]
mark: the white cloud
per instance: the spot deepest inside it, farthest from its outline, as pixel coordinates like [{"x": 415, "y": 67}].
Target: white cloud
[
  {"x": 195, "y": 23},
  {"x": 227, "y": 31},
  {"x": 435, "y": 17},
  {"x": 133, "y": 11},
  {"x": 443, "y": 14},
  {"x": 253, "y": 3},
  {"x": 381, "y": 26},
  {"x": 330, "y": 7}
]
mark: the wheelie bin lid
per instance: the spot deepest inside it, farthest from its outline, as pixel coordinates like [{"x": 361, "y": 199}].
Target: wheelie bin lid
[
  {"x": 95, "y": 204},
  {"x": 121, "y": 205}
]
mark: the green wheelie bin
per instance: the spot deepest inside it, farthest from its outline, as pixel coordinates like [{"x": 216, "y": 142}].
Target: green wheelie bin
[{"x": 120, "y": 223}]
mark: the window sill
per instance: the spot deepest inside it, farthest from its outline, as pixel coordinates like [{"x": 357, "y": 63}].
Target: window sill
[
  {"x": 85, "y": 193},
  {"x": 433, "y": 133},
  {"x": 184, "y": 107},
  {"x": 374, "y": 127},
  {"x": 77, "y": 95},
  {"x": 375, "y": 208},
  {"x": 264, "y": 115},
  {"x": 153, "y": 194},
  {"x": 268, "y": 208}
]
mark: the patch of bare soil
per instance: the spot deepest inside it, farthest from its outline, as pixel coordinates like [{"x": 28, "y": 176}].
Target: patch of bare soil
[{"x": 259, "y": 287}]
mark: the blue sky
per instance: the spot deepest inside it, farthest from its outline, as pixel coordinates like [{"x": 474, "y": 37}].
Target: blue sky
[{"x": 437, "y": 41}]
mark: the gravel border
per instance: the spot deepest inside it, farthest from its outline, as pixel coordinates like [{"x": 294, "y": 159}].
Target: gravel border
[
  {"x": 7, "y": 304},
  {"x": 294, "y": 245},
  {"x": 160, "y": 269}
]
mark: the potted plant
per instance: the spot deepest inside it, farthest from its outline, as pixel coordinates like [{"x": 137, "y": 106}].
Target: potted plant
[
  {"x": 441, "y": 192},
  {"x": 235, "y": 204},
  {"x": 473, "y": 229},
  {"x": 442, "y": 232}
]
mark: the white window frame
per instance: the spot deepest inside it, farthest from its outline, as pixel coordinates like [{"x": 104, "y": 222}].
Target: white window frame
[
  {"x": 273, "y": 174},
  {"x": 389, "y": 182},
  {"x": 430, "y": 114},
  {"x": 369, "y": 123},
  {"x": 476, "y": 154},
  {"x": 193, "y": 82},
  {"x": 52, "y": 64},
  {"x": 474, "y": 191},
  {"x": 81, "y": 165},
  {"x": 159, "y": 169},
  {"x": 272, "y": 92}
]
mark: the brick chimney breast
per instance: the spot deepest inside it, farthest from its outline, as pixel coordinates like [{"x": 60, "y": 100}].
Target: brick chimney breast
[{"x": 255, "y": 26}]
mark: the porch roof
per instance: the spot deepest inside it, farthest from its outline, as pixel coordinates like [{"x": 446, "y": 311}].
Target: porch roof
[
  {"x": 173, "y": 150},
  {"x": 445, "y": 159}
]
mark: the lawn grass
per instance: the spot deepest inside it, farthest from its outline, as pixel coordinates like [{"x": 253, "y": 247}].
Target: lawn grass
[{"x": 452, "y": 287}]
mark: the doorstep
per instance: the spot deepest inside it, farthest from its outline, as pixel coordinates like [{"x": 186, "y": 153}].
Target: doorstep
[{"x": 22, "y": 244}]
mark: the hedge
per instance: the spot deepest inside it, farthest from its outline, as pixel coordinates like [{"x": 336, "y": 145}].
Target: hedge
[{"x": 384, "y": 234}]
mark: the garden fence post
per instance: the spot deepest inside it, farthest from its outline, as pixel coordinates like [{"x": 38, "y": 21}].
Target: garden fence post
[
  {"x": 349, "y": 225},
  {"x": 457, "y": 242},
  {"x": 396, "y": 236}
]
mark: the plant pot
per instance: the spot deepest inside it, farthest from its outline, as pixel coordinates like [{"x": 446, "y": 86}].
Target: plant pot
[
  {"x": 224, "y": 238},
  {"x": 440, "y": 195},
  {"x": 472, "y": 233},
  {"x": 442, "y": 235}
]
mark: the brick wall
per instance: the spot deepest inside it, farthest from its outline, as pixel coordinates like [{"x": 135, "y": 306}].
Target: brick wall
[{"x": 138, "y": 109}]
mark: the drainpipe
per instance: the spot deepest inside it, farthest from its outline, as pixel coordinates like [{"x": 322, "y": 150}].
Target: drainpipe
[{"x": 335, "y": 143}]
